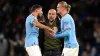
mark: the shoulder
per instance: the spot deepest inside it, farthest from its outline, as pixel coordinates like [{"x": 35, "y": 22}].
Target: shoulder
[
  {"x": 68, "y": 17},
  {"x": 30, "y": 17}
]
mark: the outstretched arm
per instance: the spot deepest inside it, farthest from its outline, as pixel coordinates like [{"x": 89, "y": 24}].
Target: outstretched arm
[
  {"x": 39, "y": 25},
  {"x": 65, "y": 32}
]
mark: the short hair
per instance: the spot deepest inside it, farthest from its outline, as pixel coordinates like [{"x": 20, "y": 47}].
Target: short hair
[
  {"x": 67, "y": 6},
  {"x": 34, "y": 7}
]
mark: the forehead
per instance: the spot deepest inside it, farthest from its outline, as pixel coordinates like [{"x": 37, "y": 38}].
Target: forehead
[
  {"x": 59, "y": 5},
  {"x": 52, "y": 11}
]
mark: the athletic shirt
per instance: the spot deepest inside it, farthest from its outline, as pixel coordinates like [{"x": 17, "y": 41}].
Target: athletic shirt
[
  {"x": 31, "y": 31},
  {"x": 68, "y": 32}
]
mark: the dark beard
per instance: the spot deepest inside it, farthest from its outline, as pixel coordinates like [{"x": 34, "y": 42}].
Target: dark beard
[
  {"x": 51, "y": 20},
  {"x": 40, "y": 18}
]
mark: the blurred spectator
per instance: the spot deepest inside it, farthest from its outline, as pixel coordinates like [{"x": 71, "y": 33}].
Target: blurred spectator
[
  {"x": 3, "y": 45},
  {"x": 76, "y": 19},
  {"x": 18, "y": 46},
  {"x": 85, "y": 53},
  {"x": 97, "y": 32},
  {"x": 88, "y": 47},
  {"x": 93, "y": 52}
]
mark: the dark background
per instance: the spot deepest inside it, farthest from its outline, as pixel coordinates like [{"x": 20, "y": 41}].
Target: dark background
[{"x": 13, "y": 13}]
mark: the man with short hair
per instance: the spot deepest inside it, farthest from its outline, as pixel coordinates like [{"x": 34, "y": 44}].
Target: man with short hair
[
  {"x": 52, "y": 46},
  {"x": 32, "y": 28},
  {"x": 71, "y": 46}
]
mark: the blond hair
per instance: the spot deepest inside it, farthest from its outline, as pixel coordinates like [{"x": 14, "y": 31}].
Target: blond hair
[{"x": 67, "y": 6}]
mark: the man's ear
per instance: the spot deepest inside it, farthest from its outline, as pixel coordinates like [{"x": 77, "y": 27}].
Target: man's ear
[{"x": 36, "y": 10}]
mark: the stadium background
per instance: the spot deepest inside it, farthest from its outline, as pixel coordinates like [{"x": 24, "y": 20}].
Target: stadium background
[{"x": 13, "y": 13}]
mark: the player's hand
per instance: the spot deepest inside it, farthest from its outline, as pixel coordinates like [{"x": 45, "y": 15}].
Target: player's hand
[
  {"x": 52, "y": 34},
  {"x": 49, "y": 29}
]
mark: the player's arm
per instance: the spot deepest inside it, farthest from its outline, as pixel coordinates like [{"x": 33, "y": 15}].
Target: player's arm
[
  {"x": 66, "y": 32},
  {"x": 39, "y": 25}
]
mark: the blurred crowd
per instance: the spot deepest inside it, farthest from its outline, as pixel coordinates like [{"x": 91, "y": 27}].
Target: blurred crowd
[{"x": 13, "y": 14}]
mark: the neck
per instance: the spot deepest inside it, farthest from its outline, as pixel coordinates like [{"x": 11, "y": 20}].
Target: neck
[
  {"x": 34, "y": 14},
  {"x": 63, "y": 13},
  {"x": 51, "y": 23}
]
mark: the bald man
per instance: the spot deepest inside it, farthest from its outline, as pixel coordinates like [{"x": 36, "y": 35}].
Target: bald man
[{"x": 52, "y": 46}]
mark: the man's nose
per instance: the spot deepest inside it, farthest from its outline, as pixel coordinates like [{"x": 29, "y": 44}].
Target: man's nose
[{"x": 50, "y": 15}]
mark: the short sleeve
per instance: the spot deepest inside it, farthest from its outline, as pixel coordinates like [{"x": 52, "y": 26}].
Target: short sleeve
[{"x": 33, "y": 19}]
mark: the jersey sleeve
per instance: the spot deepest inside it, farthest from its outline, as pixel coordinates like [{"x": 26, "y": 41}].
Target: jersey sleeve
[
  {"x": 66, "y": 29},
  {"x": 32, "y": 19},
  {"x": 67, "y": 25}
]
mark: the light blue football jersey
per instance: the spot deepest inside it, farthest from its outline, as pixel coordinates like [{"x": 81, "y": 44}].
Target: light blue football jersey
[
  {"x": 68, "y": 32},
  {"x": 32, "y": 32}
]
